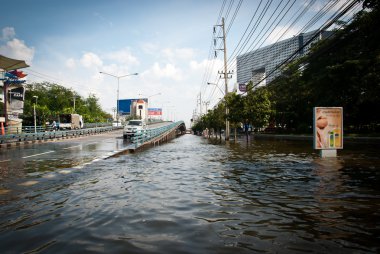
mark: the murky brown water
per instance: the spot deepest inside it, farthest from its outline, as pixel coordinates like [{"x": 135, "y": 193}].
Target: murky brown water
[{"x": 192, "y": 196}]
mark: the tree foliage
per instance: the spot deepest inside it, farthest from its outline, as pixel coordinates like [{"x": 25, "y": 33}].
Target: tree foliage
[
  {"x": 342, "y": 71},
  {"x": 54, "y": 100}
]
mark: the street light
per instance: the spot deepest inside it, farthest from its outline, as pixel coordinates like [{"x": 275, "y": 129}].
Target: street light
[
  {"x": 153, "y": 95},
  {"x": 34, "y": 113},
  {"x": 167, "y": 107},
  {"x": 208, "y": 83},
  {"x": 118, "y": 81}
]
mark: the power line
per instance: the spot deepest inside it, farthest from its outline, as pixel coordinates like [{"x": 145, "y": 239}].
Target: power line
[
  {"x": 210, "y": 67},
  {"x": 322, "y": 28}
]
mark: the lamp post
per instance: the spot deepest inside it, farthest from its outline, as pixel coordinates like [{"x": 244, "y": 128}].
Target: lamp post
[
  {"x": 118, "y": 82},
  {"x": 208, "y": 83},
  {"x": 167, "y": 107},
  {"x": 34, "y": 113},
  {"x": 152, "y": 96}
]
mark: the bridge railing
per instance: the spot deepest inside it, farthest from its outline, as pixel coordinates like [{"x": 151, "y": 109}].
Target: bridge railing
[
  {"x": 144, "y": 136},
  {"x": 49, "y": 134}
]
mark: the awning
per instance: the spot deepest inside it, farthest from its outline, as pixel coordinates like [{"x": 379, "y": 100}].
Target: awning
[{"x": 8, "y": 64}]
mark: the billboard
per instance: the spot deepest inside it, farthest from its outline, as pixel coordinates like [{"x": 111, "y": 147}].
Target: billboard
[
  {"x": 125, "y": 105},
  {"x": 15, "y": 103},
  {"x": 328, "y": 127},
  {"x": 155, "y": 111}
]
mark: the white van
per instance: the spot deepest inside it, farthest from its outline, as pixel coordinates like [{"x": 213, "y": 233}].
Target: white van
[{"x": 132, "y": 127}]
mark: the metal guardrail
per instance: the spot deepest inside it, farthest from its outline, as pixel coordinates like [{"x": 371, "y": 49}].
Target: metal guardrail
[
  {"x": 94, "y": 125},
  {"x": 143, "y": 136},
  {"x": 49, "y": 134},
  {"x": 31, "y": 129},
  {"x": 23, "y": 129}
]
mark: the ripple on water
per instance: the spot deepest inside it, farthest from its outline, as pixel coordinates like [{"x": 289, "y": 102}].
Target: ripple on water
[{"x": 189, "y": 196}]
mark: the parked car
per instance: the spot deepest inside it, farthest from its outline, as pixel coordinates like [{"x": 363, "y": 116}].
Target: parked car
[{"x": 132, "y": 127}]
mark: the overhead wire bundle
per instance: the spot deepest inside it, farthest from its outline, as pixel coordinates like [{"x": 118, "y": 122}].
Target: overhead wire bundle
[{"x": 264, "y": 28}]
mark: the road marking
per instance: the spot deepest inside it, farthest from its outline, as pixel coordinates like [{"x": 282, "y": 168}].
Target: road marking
[
  {"x": 72, "y": 147},
  {"x": 4, "y": 161},
  {"x": 37, "y": 154},
  {"x": 91, "y": 143}
]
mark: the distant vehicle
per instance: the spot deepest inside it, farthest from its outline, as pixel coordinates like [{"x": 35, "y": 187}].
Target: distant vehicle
[
  {"x": 132, "y": 127},
  {"x": 70, "y": 121},
  {"x": 116, "y": 124}
]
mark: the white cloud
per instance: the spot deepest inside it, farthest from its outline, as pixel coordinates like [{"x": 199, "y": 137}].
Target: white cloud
[
  {"x": 90, "y": 60},
  {"x": 8, "y": 33},
  {"x": 168, "y": 71},
  {"x": 123, "y": 56},
  {"x": 17, "y": 49},
  {"x": 178, "y": 53},
  {"x": 149, "y": 48}
]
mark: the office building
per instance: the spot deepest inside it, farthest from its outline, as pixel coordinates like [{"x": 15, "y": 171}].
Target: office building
[{"x": 260, "y": 65}]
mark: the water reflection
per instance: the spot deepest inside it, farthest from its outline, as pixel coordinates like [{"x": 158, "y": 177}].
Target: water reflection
[{"x": 197, "y": 196}]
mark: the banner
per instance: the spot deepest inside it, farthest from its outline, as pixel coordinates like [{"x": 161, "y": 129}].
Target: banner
[
  {"x": 154, "y": 111},
  {"x": 328, "y": 127}
]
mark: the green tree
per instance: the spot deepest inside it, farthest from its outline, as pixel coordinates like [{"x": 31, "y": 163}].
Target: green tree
[
  {"x": 54, "y": 100},
  {"x": 257, "y": 107},
  {"x": 236, "y": 116}
]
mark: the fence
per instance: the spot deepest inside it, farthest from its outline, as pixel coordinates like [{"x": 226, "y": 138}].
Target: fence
[
  {"x": 49, "y": 134},
  {"x": 147, "y": 135}
]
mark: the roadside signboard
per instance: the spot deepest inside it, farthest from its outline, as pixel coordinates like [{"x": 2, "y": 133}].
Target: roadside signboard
[
  {"x": 243, "y": 88},
  {"x": 154, "y": 111},
  {"x": 328, "y": 128}
]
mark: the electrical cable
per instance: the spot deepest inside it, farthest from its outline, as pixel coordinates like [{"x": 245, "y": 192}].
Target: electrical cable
[{"x": 324, "y": 27}]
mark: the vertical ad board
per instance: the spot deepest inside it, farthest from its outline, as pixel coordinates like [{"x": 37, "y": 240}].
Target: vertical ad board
[
  {"x": 328, "y": 128},
  {"x": 16, "y": 95}
]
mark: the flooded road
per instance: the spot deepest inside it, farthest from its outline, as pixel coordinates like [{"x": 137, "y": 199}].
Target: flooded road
[{"x": 195, "y": 196}]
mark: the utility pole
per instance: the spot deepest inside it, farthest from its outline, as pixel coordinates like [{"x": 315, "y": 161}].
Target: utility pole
[
  {"x": 200, "y": 104},
  {"x": 206, "y": 103},
  {"x": 74, "y": 96},
  {"x": 226, "y": 77}
]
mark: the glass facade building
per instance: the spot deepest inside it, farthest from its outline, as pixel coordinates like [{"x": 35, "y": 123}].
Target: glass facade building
[{"x": 260, "y": 65}]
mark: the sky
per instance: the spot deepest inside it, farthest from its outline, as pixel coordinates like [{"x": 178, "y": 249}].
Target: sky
[{"x": 169, "y": 43}]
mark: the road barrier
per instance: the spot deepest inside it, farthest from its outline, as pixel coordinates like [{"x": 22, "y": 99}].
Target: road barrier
[
  {"x": 150, "y": 135},
  {"x": 43, "y": 135}
]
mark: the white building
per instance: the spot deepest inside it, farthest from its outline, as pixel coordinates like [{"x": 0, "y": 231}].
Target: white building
[{"x": 256, "y": 65}]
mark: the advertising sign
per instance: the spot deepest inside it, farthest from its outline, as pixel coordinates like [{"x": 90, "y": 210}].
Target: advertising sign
[
  {"x": 154, "y": 111},
  {"x": 126, "y": 105},
  {"x": 15, "y": 104},
  {"x": 328, "y": 127},
  {"x": 17, "y": 93},
  {"x": 242, "y": 88}
]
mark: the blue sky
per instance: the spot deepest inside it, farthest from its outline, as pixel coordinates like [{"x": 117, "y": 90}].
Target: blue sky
[{"x": 166, "y": 42}]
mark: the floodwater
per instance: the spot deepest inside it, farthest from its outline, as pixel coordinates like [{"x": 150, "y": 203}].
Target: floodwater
[{"x": 196, "y": 196}]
